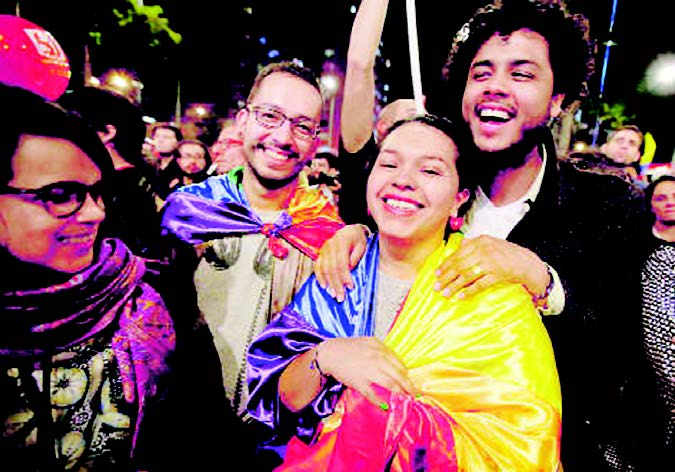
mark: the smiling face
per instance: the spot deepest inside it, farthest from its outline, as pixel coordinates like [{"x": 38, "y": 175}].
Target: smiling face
[
  {"x": 509, "y": 90},
  {"x": 27, "y": 230},
  {"x": 276, "y": 155},
  {"x": 413, "y": 187}
]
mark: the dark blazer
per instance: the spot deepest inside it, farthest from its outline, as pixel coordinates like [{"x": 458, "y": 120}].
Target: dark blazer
[{"x": 590, "y": 228}]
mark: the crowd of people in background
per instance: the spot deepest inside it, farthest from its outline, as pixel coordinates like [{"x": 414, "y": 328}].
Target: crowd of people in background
[{"x": 445, "y": 291}]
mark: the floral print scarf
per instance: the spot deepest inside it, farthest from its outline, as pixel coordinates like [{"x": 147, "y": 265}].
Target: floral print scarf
[{"x": 109, "y": 296}]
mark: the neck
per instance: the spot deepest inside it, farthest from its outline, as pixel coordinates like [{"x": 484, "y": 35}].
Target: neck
[
  {"x": 163, "y": 159},
  {"x": 511, "y": 184},
  {"x": 27, "y": 276},
  {"x": 263, "y": 198},
  {"x": 663, "y": 231},
  {"x": 118, "y": 161},
  {"x": 507, "y": 175},
  {"x": 403, "y": 258}
]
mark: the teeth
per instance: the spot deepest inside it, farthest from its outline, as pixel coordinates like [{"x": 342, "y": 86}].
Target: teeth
[
  {"x": 399, "y": 204},
  {"x": 490, "y": 113},
  {"x": 276, "y": 155},
  {"x": 77, "y": 239}
]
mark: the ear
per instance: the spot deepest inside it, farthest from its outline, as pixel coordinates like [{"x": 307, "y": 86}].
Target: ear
[
  {"x": 3, "y": 231},
  {"x": 109, "y": 133},
  {"x": 381, "y": 126},
  {"x": 555, "y": 107},
  {"x": 603, "y": 148},
  {"x": 240, "y": 121},
  {"x": 462, "y": 198}
]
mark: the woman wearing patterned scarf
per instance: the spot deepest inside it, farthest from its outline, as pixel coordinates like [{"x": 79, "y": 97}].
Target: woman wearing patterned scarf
[{"x": 87, "y": 346}]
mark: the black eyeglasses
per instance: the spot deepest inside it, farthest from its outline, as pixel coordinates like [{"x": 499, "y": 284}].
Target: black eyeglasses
[
  {"x": 269, "y": 117},
  {"x": 60, "y": 199}
]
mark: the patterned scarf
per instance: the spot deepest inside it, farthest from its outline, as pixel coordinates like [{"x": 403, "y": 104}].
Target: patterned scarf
[
  {"x": 218, "y": 207},
  {"x": 107, "y": 295}
]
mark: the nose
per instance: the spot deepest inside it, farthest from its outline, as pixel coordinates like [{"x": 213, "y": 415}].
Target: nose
[
  {"x": 497, "y": 84},
  {"x": 92, "y": 211},
  {"x": 404, "y": 180},
  {"x": 285, "y": 130}
]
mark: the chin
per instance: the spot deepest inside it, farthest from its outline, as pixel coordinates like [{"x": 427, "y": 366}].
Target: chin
[{"x": 77, "y": 263}]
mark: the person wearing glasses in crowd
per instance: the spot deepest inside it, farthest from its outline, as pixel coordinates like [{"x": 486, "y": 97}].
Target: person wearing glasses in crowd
[
  {"x": 95, "y": 373},
  {"x": 226, "y": 150},
  {"x": 256, "y": 229},
  {"x": 189, "y": 166}
]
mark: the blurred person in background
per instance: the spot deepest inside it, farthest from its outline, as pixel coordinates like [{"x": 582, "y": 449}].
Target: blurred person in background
[
  {"x": 132, "y": 213},
  {"x": 165, "y": 138},
  {"x": 226, "y": 150},
  {"x": 660, "y": 200},
  {"x": 190, "y": 166}
]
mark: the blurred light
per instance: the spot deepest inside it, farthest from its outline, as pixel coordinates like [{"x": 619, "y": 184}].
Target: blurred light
[
  {"x": 248, "y": 10},
  {"x": 580, "y": 146},
  {"x": 329, "y": 52},
  {"x": 263, "y": 40},
  {"x": 149, "y": 119},
  {"x": 386, "y": 87},
  {"x": 200, "y": 110},
  {"x": 387, "y": 63},
  {"x": 330, "y": 83},
  {"x": 660, "y": 75},
  {"x": 273, "y": 53},
  {"x": 120, "y": 81},
  {"x": 352, "y": 9},
  {"x": 94, "y": 81}
]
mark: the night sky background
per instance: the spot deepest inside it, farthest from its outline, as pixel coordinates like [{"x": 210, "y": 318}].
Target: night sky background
[{"x": 221, "y": 47}]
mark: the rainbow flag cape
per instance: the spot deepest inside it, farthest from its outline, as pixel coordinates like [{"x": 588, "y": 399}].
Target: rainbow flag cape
[{"x": 218, "y": 207}]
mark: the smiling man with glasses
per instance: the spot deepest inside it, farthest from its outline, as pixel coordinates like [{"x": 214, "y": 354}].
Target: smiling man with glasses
[{"x": 257, "y": 228}]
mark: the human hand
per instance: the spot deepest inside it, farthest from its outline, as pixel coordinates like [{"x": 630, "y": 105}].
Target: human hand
[
  {"x": 362, "y": 362},
  {"x": 337, "y": 257},
  {"x": 486, "y": 260}
]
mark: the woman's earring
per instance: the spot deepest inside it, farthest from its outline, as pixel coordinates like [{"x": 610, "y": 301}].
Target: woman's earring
[{"x": 456, "y": 223}]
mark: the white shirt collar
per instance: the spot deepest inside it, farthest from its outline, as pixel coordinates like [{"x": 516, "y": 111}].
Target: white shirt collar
[{"x": 485, "y": 218}]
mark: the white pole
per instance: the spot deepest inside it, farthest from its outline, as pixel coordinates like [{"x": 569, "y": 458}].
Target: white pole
[{"x": 414, "y": 56}]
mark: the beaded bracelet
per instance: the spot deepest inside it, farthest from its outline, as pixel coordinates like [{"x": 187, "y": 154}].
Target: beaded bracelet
[
  {"x": 314, "y": 365},
  {"x": 541, "y": 301}
]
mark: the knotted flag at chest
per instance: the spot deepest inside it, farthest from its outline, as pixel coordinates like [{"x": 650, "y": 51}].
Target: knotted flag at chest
[{"x": 218, "y": 207}]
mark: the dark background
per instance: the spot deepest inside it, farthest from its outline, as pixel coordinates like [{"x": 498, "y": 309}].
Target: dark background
[{"x": 217, "y": 58}]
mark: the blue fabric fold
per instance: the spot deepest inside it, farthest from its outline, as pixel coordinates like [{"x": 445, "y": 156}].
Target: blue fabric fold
[{"x": 312, "y": 317}]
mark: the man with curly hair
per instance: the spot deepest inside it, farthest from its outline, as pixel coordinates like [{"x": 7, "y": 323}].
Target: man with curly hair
[{"x": 513, "y": 68}]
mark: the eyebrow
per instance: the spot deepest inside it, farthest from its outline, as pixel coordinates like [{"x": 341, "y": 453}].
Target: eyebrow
[
  {"x": 425, "y": 157},
  {"x": 515, "y": 63}
]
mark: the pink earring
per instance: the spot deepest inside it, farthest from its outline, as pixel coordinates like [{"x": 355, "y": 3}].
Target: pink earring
[{"x": 456, "y": 223}]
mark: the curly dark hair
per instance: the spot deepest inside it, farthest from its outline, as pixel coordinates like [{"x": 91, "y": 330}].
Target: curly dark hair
[{"x": 571, "y": 50}]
